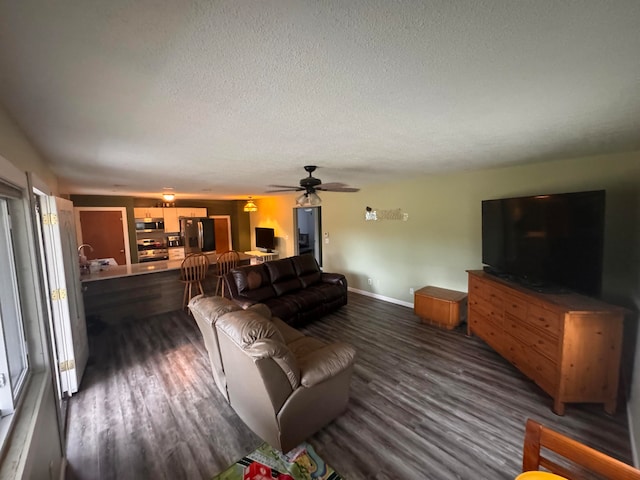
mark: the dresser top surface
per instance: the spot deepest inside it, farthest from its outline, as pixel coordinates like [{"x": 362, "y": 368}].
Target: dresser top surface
[{"x": 570, "y": 301}]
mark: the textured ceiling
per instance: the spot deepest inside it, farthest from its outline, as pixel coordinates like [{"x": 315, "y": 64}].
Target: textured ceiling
[{"x": 220, "y": 99}]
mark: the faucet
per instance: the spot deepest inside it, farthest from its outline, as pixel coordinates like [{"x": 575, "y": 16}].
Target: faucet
[
  {"x": 82, "y": 246},
  {"x": 84, "y": 264}
]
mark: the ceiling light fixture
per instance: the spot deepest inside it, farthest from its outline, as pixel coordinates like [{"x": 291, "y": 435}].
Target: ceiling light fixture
[
  {"x": 308, "y": 199},
  {"x": 169, "y": 197},
  {"x": 250, "y": 206}
]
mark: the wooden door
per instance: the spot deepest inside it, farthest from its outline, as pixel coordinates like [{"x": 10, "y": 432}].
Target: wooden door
[
  {"x": 103, "y": 231},
  {"x": 222, "y": 233}
]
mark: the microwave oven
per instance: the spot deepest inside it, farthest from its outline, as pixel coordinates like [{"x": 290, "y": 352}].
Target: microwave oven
[{"x": 149, "y": 225}]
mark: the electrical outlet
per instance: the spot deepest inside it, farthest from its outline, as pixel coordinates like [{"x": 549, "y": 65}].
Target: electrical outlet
[
  {"x": 411, "y": 291},
  {"x": 369, "y": 281}
]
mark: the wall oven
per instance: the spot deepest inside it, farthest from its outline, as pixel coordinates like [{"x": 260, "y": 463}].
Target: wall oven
[{"x": 149, "y": 225}]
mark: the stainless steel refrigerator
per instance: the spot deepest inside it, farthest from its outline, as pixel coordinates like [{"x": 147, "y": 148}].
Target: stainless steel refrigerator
[{"x": 198, "y": 235}]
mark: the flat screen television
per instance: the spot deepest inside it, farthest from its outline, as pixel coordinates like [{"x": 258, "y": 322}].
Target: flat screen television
[
  {"x": 265, "y": 238},
  {"x": 548, "y": 242}
]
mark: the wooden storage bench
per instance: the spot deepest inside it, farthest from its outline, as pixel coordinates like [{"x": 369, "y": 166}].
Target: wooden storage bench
[{"x": 439, "y": 306}]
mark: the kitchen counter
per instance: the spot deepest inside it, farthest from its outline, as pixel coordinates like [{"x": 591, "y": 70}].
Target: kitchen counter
[
  {"x": 123, "y": 293},
  {"x": 118, "y": 271}
]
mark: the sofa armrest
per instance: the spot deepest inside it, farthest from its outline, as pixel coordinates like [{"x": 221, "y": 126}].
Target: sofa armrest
[
  {"x": 334, "y": 279},
  {"x": 326, "y": 362}
]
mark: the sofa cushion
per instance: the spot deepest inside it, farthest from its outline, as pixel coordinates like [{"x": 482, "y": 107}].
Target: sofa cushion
[
  {"x": 307, "y": 269},
  {"x": 246, "y": 326},
  {"x": 260, "y": 338},
  {"x": 211, "y": 308},
  {"x": 283, "y": 307},
  {"x": 283, "y": 276},
  {"x": 262, "y": 309},
  {"x": 324, "y": 363},
  {"x": 253, "y": 282},
  {"x": 289, "y": 333},
  {"x": 307, "y": 298},
  {"x": 303, "y": 346}
]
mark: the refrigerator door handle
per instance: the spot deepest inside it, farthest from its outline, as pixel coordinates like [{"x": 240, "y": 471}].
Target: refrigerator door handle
[{"x": 200, "y": 236}]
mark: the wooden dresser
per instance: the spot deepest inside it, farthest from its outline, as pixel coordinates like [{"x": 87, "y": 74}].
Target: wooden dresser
[{"x": 569, "y": 344}]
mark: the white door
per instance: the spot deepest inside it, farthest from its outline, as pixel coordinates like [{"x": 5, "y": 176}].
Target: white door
[{"x": 63, "y": 272}]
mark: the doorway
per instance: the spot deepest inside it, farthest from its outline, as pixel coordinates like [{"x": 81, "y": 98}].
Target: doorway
[
  {"x": 105, "y": 229},
  {"x": 308, "y": 227},
  {"x": 222, "y": 231}
]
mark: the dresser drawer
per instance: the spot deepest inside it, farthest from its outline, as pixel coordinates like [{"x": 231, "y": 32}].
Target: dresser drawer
[
  {"x": 478, "y": 289},
  {"x": 544, "y": 319},
  {"x": 486, "y": 330},
  {"x": 544, "y": 343},
  {"x": 487, "y": 309},
  {"x": 515, "y": 306},
  {"x": 534, "y": 365}
]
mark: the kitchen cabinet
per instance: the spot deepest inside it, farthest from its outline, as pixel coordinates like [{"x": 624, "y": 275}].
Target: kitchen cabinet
[
  {"x": 176, "y": 253},
  {"x": 191, "y": 212},
  {"x": 570, "y": 345},
  {"x": 148, "y": 212},
  {"x": 171, "y": 220}
]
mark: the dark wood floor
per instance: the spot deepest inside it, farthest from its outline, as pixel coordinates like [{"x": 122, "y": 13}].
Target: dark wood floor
[{"x": 425, "y": 404}]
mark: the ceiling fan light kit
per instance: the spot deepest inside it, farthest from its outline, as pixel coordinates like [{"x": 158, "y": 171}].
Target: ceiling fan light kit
[
  {"x": 309, "y": 185},
  {"x": 310, "y": 199}
]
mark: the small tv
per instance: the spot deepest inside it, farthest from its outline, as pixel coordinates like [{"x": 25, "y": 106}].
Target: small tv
[
  {"x": 265, "y": 239},
  {"x": 551, "y": 243}
]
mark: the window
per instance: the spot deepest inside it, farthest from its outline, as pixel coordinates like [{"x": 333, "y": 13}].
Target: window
[{"x": 14, "y": 361}]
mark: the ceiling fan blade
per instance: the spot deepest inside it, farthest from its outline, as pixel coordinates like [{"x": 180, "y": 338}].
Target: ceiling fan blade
[
  {"x": 287, "y": 186},
  {"x": 332, "y": 185},
  {"x": 289, "y": 189},
  {"x": 337, "y": 189}
]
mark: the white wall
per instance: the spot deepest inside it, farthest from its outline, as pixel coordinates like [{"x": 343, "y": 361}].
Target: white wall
[
  {"x": 35, "y": 449},
  {"x": 442, "y": 237}
]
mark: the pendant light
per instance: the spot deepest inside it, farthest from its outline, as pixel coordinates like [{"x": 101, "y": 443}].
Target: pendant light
[{"x": 250, "y": 206}]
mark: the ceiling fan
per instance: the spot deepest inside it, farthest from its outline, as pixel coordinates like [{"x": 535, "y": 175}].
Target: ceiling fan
[{"x": 310, "y": 185}]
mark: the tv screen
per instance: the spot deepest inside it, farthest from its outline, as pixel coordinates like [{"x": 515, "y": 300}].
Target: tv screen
[
  {"x": 547, "y": 241},
  {"x": 265, "y": 238}
]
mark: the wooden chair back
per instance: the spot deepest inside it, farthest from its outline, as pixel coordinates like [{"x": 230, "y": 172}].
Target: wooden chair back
[
  {"x": 581, "y": 457},
  {"x": 194, "y": 267},
  {"x": 226, "y": 262}
]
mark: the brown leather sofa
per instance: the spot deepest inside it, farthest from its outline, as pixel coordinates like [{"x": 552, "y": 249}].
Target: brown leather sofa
[
  {"x": 284, "y": 385},
  {"x": 294, "y": 288}
]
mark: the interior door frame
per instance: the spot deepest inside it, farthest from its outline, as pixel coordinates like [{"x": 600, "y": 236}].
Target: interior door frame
[
  {"x": 125, "y": 227},
  {"x": 317, "y": 244},
  {"x": 228, "y": 219}
]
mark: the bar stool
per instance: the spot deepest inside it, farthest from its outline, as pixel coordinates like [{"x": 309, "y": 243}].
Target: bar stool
[
  {"x": 192, "y": 271},
  {"x": 227, "y": 261}
]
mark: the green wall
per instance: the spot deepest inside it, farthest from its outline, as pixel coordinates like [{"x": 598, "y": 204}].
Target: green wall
[{"x": 239, "y": 219}]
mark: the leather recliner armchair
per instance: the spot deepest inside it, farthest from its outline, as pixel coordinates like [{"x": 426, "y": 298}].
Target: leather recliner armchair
[{"x": 284, "y": 385}]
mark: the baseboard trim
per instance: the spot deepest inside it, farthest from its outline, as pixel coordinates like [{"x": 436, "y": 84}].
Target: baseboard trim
[{"x": 381, "y": 297}]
